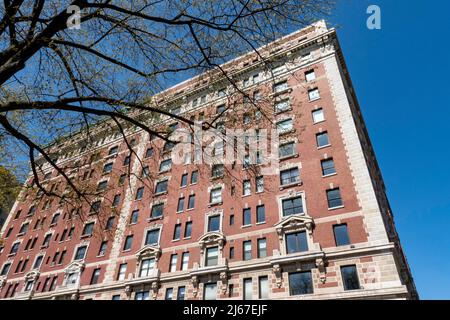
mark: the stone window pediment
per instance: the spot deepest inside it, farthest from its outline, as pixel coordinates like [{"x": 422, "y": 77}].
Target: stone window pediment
[
  {"x": 294, "y": 223},
  {"x": 148, "y": 251},
  {"x": 210, "y": 239}
]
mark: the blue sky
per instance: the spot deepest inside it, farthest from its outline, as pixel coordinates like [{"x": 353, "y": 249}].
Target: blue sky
[{"x": 401, "y": 77}]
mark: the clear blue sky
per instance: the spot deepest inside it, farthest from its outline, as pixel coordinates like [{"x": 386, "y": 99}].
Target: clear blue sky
[{"x": 401, "y": 77}]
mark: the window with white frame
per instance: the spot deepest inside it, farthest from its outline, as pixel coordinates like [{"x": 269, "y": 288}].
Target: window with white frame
[
  {"x": 152, "y": 237},
  {"x": 282, "y": 106},
  {"x": 313, "y": 94},
  {"x": 318, "y": 115},
  {"x": 284, "y": 125},
  {"x": 212, "y": 256},
  {"x": 292, "y": 206},
  {"x": 260, "y": 184},
  {"x": 185, "y": 261},
  {"x": 214, "y": 223},
  {"x": 147, "y": 265},
  {"x": 280, "y": 86},
  {"x": 310, "y": 75},
  {"x": 246, "y": 188},
  {"x": 165, "y": 165},
  {"x": 173, "y": 262},
  {"x": 286, "y": 149},
  {"x": 289, "y": 176},
  {"x": 216, "y": 195}
]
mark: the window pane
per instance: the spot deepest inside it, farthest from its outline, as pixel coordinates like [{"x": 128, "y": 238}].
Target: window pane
[
  {"x": 300, "y": 283},
  {"x": 212, "y": 256},
  {"x": 328, "y": 167},
  {"x": 248, "y": 289},
  {"x": 260, "y": 214},
  {"x": 263, "y": 287},
  {"x": 210, "y": 291},
  {"x": 247, "y": 216},
  {"x": 262, "y": 248},
  {"x": 350, "y": 277},
  {"x": 322, "y": 139},
  {"x": 292, "y": 206},
  {"x": 247, "y": 250},
  {"x": 341, "y": 235},
  {"x": 318, "y": 115},
  {"x": 296, "y": 242},
  {"x": 152, "y": 237},
  {"x": 214, "y": 223},
  {"x": 334, "y": 198}
]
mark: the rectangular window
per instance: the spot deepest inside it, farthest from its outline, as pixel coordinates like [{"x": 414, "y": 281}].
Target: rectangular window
[
  {"x": 310, "y": 75},
  {"x": 116, "y": 200},
  {"x": 126, "y": 160},
  {"x": 46, "y": 241},
  {"x": 5, "y": 269},
  {"x": 292, "y": 206},
  {"x": 95, "y": 207},
  {"x": 286, "y": 150},
  {"x": 278, "y": 70},
  {"x": 248, "y": 289},
  {"x": 246, "y": 188},
  {"x": 247, "y": 216},
  {"x": 296, "y": 242},
  {"x": 80, "y": 253},
  {"x": 188, "y": 229},
  {"x": 212, "y": 256},
  {"x": 259, "y": 184},
  {"x": 216, "y": 195},
  {"x": 103, "y": 247},
  {"x": 173, "y": 263},
  {"x": 147, "y": 265},
  {"x": 184, "y": 178},
  {"x": 185, "y": 261},
  {"x": 327, "y": 167},
  {"x": 107, "y": 168},
  {"x": 122, "y": 272},
  {"x": 289, "y": 176},
  {"x": 318, "y": 115},
  {"x": 38, "y": 262},
  {"x": 322, "y": 139},
  {"x": 350, "y": 277},
  {"x": 149, "y": 152},
  {"x": 284, "y": 126},
  {"x": 95, "y": 276},
  {"x": 142, "y": 295},
  {"x": 165, "y": 165},
  {"x": 161, "y": 186},
  {"x": 280, "y": 86},
  {"x": 260, "y": 214},
  {"x": 88, "y": 228},
  {"x": 191, "y": 202},
  {"x": 110, "y": 223},
  {"x": 152, "y": 237},
  {"x": 313, "y": 94},
  {"x": 139, "y": 193},
  {"x": 122, "y": 179},
  {"x": 282, "y": 106},
  {"x": 341, "y": 234},
  {"x": 134, "y": 217},
  {"x": 262, "y": 248},
  {"x": 115, "y": 297},
  {"x": 263, "y": 287},
  {"x": 113, "y": 150},
  {"x": 210, "y": 291},
  {"x": 157, "y": 210},
  {"x": 217, "y": 170},
  {"x": 180, "y": 206},
  {"x": 247, "y": 249},
  {"x": 181, "y": 293},
  {"x": 213, "y": 223},
  {"x": 194, "y": 177},
  {"x": 128, "y": 243},
  {"x": 334, "y": 198},
  {"x": 169, "y": 294},
  {"x": 300, "y": 283},
  {"x": 177, "y": 232}
]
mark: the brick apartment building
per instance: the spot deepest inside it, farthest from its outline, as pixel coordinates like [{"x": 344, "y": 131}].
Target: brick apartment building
[{"x": 319, "y": 228}]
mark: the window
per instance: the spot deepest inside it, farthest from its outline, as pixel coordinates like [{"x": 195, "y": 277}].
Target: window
[
  {"x": 213, "y": 223},
  {"x": 289, "y": 176},
  {"x": 149, "y": 152},
  {"x": 177, "y": 232},
  {"x": 278, "y": 70},
  {"x": 38, "y": 262},
  {"x": 139, "y": 193},
  {"x": 313, "y": 94},
  {"x": 188, "y": 229},
  {"x": 194, "y": 177},
  {"x": 212, "y": 256},
  {"x": 247, "y": 217},
  {"x": 168, "y": 146},
  {"x": 32, "y": 211},
  {"x": 322, "y": 139},
  {"x": 284, "y": 126},
  {"x": 103, "y": 247},
  {"x": 180, "y": 207},
  {"x": 95, "y": 207},
  {"x": 248, "y": 289},
  {"x": 262, "y": 248},
  {"x": 116, "y": 200},
  {"x": 185, "y": 261},
  {"x": 260, "y": 214},
  {"x": 122, "y": 272},
  {"x": 231, "y": 219},
  {"x": 220, "y": 109},
  {"x": 184, "y": 178},
  {"x": 334, "y": 198},
  {"x": 15, "y": 248},
  {"x": 152, "y": 237},
  {"x": 128, "y": 243},
  {"x": 327, "y": 167},
  {"x": 109, "y": 223},
  {"x": 217, "y": 170},
  {"x": 350, "y": 277},
  {"x": 95, "y": 276},
  {"x": 126, "y": 160},
  {"x": 165, "y": 165},
  {"x": 161, "y": 186},
  {"x": 107, "y": 168},
  {"x": 282, "y": 106},
  {"x": 88, "y": 228},
  {"x": 173, "y": 263},
  {"x": 157, "y": 210},
  {"x": 300, "y": 283},
  {"x": 341, "y": 234},
  {"x": 145, "y": 172},
  {"x": 113, "y": 150},
  {"x": 247, "y": 249},
  {"x": 191, "y": 202},
  {"x": 181, "y": 293},
  {"x": 115, "y": 297},
  {"x": 147, "y": 265},
  {"x": 24, "y": 228},
  {"x": 55, "y": 219},
  {"x": 259, "y": 184},
  {"x": 80, "y": 253},
  {"x": 5, "y": 269},
  {"x": 257, "y": 96},
  {"x": 216, "y": 195},
  {"x": 169, "y": 294},
  {"x": 280, "y": 86},
  {"x": 142, "y": 295},
  {"x": 28, "y": 285},
  {"x": 46, "y": 241},
  {"x": 296, "y": 242},
  {"x": 318, "y": 115},
  {"x": 263, "y": 287},
  {"x": 246, "y": 188},
  {"x": 210, "y": 291},
  {"x": 122, "y": 179},
  {"x": 292, "y": 206},
  {"x": 310, "y": 75},
  {"x": 231, "y": 252}
]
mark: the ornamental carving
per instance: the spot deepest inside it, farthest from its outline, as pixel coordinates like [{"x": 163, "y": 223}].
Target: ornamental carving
[
  {"x": 224, "y": 279},
  {"x": 294, "y": 223},
  {"x": 194, "y": 282},
  {"x": 321, "y": 266},
  {"x": 210, "y": 239},
  {"x": 278, "y": 274}
]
